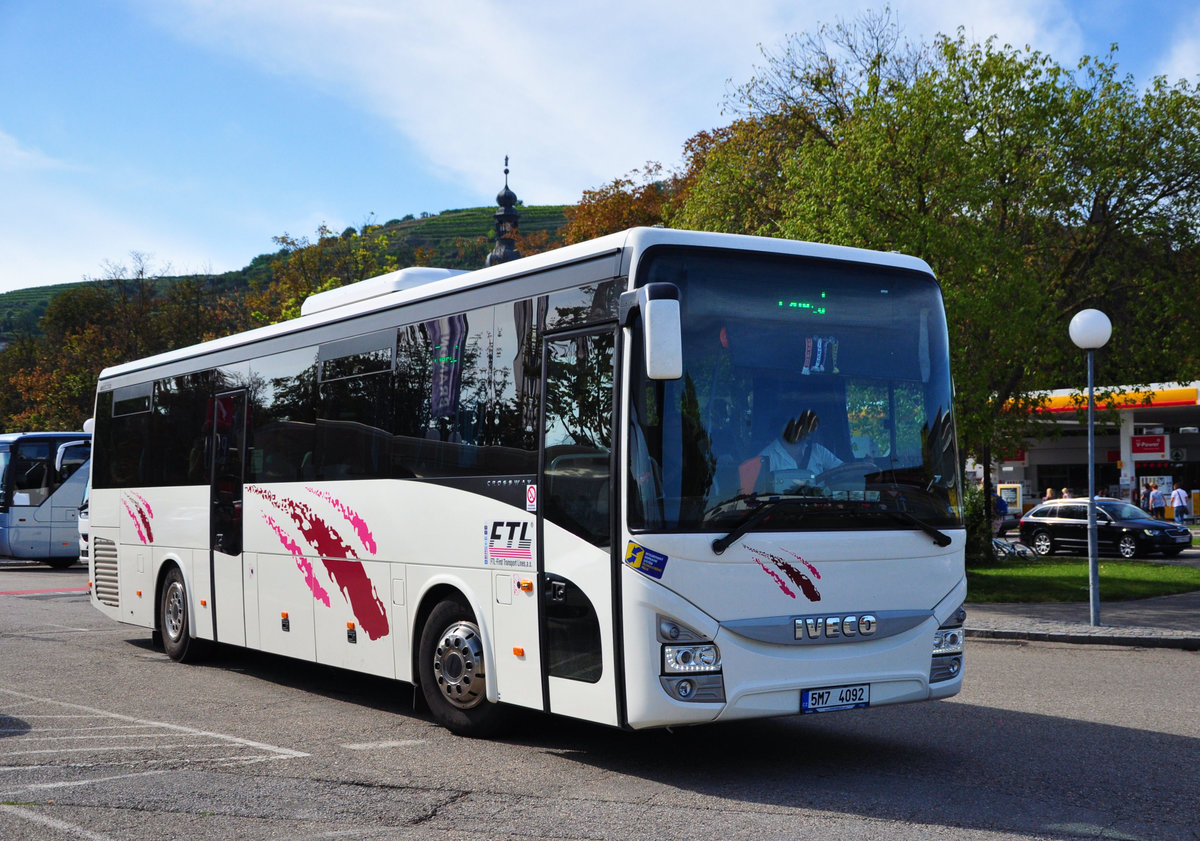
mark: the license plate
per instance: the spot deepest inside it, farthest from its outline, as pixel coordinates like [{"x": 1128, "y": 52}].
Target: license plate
[
  {"x": 831, "y": 698},
  {"x": 1183, "y": 538}
]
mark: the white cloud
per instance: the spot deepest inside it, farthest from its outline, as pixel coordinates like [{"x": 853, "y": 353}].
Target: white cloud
[
  {"x": 1181, "y": 58},
  {"x": 15, "y": 157},
  {"x": 576, "y": 93},
  {"x": 1048, "y": 26}
]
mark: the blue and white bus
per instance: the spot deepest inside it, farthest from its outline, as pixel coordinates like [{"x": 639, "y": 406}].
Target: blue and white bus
[
  {"x": 659, "y": 478},
  {"x": 42, "y": 477}
]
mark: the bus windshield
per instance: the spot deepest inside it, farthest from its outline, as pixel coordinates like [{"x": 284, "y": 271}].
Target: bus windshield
[{"x": 822, "y": 383}]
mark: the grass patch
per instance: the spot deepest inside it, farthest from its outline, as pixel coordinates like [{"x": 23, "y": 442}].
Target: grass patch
[{"x": 1067, "y": 581}]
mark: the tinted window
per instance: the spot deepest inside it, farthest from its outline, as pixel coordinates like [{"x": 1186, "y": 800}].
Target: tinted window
[
  {"x": 283, "y": 417},
  {"x": 179, "y": 431},
  {"x": 119, "y": 457}
]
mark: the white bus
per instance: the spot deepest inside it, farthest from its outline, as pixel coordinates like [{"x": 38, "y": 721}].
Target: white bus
[
  {"x": 42, "y": 477},
  {"x": 561, "y": 483}
]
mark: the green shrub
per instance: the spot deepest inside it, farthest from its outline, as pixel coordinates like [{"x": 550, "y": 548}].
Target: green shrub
[{"x": 979, "y": 527}]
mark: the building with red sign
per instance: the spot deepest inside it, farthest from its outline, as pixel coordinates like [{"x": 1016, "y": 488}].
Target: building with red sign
[{"x": 1143, "y": 434}]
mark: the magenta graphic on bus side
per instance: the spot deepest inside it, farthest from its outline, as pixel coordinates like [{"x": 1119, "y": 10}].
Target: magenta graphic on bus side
[
  {"x": 337, "y": 555},
  {"x": 139, "y": 510}
]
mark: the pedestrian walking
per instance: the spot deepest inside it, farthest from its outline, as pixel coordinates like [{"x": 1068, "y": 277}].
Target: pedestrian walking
[
  {"x": 1158, "y": 505},
  {"x": 1179, "y": 502}
]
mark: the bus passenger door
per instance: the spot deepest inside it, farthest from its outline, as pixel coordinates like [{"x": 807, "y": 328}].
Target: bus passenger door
[
  {"x": 575, "y": 526},
  {"x": 228, "y": 448}
]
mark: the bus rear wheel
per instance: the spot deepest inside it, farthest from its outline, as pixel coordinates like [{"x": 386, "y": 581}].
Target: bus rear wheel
[
  {"x": 173, "y": 619},
  {"x": 452, "y": 671}
]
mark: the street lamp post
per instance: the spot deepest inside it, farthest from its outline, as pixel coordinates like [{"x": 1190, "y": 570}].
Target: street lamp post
[{"x": 1091, "y": 329}]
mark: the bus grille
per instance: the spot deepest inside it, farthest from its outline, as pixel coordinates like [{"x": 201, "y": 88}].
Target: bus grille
[{"x": 104, "y": 562}]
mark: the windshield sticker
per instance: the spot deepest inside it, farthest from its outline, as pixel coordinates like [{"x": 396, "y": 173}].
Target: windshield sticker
[
  {"x": 646, "y": 561},
  {"x": 509, "y": 544},
  {"x": 797, "y": 577},
  {"x": 338, "y": 557}
]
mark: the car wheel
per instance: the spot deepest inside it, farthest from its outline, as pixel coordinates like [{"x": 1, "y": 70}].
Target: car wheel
[
  {"x": 1043, "y": 543},
  {"x": 1128, "y": 546}
]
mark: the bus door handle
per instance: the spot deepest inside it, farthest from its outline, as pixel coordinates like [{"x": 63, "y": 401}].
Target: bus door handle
[{"x": 558, "y": 591}]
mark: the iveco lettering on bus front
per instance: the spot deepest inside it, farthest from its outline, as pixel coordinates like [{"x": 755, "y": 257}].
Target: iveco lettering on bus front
[{"x": 660, "y": 478}]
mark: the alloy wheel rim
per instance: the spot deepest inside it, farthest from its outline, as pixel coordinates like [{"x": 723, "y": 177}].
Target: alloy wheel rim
[
  {"x": 458, "y": 665},
  {"x": 173, "y": 611}
]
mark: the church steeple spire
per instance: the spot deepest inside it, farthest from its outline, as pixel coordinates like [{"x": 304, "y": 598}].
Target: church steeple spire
[{"x": 506, "y": 225}]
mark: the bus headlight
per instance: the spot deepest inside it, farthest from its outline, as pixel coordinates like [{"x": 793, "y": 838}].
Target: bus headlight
[
  {"x": 947, "y": 660},
  {"x": 948, "y": 641},
  {"x": 689, "y": 659}
]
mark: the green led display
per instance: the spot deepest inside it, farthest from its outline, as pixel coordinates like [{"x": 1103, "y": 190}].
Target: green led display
[{"x": 811, "y": 307}]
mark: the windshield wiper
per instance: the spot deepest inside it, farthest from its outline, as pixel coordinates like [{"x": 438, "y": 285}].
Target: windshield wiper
[
  {"x": 754, "y": 518},
  {"x": 939, "y": 537}
]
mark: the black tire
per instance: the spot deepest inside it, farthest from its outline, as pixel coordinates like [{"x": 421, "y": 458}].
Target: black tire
[
  {"x": 452, "y": 671},
  {"x": 174, "y": 620},
  {"x": 61, "y": 563},
  {"x": 1043, "y": 543}
]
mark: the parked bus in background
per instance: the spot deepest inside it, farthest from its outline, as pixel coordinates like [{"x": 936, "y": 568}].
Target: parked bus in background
[
  {"x": 659, "y": 478},
  {"x": 42, "y": 477}
]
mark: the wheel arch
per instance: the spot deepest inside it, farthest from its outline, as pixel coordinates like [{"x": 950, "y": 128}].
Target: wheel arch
[
  {"x": 438, "y": 590},
  {"x": 168, "y": 563}
]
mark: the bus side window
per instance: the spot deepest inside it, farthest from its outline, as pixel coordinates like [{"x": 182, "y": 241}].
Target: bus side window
[{"x": 33, "y": 474}]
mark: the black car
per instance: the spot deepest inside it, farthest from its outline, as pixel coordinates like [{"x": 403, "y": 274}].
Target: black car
[{"x": 1062, "y": 524}]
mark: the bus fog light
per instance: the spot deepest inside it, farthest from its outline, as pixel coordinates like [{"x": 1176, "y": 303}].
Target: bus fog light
[
  {"x": 683, "y": 659},
  {"x": 945, "y": 668},
  {"x": 948, "y": 641},
  {"x": 695, "y": 689}
]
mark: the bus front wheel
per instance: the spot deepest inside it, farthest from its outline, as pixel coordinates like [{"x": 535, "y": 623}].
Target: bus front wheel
[
  {"x": 173, "y": 619},
  {"x": 452, "y": 671}
]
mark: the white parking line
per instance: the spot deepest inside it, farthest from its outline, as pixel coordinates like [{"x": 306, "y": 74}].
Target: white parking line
[
  {"x": 275, "y": 751},
  {"x": 54, "y": 823},
  {"x": 32, "y": 787}
]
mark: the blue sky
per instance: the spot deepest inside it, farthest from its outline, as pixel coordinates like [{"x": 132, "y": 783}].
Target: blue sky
[{"x": 193, "y": 131}]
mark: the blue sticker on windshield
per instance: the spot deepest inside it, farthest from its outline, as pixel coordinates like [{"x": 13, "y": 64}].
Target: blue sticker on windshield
[{"x": 646, "y": 561}]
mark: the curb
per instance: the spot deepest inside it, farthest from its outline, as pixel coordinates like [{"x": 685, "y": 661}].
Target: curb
[{"x": 1137, "y": 640}]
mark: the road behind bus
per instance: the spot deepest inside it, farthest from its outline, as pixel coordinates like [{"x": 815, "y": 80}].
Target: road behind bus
[{"x": 102, "y": 737}]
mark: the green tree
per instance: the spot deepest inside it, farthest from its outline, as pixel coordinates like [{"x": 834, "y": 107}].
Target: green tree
[{"x": 306, "y": 267}]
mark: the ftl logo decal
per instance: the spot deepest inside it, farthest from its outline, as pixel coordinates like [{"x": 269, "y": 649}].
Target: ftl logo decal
[
  {"x": 646, "y": 561},
  {"x": 509, "y": 544}
]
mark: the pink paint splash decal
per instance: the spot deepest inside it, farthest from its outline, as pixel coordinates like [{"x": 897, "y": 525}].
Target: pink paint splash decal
[
  {"x": 797, "y": 577},
  {"x": 811, "y": 568},
  {"x": 356, "y": 522},
  {"x": 310, "y": 578},
  {"x": 775, "y": 575},
  {"x": 141, "y": 513},
  {"x": 338, "y": 556}
]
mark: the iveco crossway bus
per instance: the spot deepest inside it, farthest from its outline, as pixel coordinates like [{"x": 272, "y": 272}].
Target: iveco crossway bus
[{"x": 659, "y": 478}]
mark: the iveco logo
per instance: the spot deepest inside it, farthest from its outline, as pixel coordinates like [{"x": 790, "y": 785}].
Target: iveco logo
[{"x": 836, "y": 627}]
